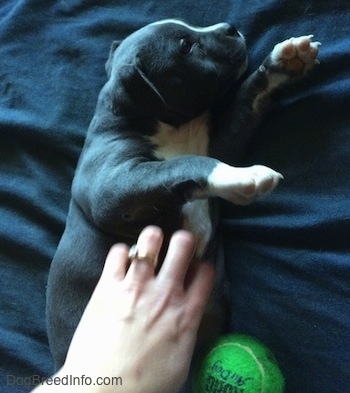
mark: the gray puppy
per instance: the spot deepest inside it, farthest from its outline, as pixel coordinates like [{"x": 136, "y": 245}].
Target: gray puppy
[{"x": 168, "y": 126}]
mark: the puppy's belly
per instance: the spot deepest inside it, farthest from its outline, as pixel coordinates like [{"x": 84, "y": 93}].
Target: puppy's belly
[{"x": 196, "y": 219}]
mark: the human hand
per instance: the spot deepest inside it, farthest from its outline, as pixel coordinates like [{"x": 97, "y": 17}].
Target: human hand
[{"x": 140, "y": 326}]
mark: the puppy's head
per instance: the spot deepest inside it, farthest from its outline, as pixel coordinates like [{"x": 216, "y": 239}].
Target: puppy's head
[{"x": 172, "y": 71}]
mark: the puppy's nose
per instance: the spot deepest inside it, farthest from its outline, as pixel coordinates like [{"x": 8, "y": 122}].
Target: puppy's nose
[{"x": 232, "y": 31}]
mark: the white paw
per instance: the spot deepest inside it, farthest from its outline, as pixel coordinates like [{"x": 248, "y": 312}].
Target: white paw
[
  {"x": 242, "y": 185},
  {"x": 296, "y": 55}
]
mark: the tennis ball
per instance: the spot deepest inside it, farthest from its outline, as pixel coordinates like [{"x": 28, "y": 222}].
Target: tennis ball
[{"x": 239, "y": 364}]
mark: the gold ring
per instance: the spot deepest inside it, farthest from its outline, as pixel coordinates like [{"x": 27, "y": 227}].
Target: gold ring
[{"x": 134, "y": 254}]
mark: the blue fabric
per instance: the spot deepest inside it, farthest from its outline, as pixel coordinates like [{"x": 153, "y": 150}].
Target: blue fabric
[{"x": 287, "y": 256}]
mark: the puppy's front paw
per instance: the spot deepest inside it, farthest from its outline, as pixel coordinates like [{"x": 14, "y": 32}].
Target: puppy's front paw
[
  {"x": 242, "y": 186},
  {"x": 297, "y": 56}
]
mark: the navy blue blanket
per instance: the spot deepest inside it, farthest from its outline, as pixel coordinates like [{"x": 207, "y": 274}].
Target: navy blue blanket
[{"x": 287, "y": 256}]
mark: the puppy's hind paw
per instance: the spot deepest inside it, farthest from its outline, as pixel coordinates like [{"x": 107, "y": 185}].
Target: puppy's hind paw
[{"x": 297, "y": 56}]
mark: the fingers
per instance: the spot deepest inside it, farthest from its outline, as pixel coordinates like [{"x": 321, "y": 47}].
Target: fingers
[
  {"x": 174, "y": 271},
  {"x": 117, "y": 262},
  {"x": 175, "y": 265},
  {"x": 146, "y": 253},
  {"x": 180, "y": 253},
  {"x": 148, "y": 247},
  {"x": 177, "y": 276}
]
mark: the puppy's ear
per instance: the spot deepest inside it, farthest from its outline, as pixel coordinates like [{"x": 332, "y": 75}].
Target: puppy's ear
[
  {"x": 151, "y": 86},
  {"x": 113, "y": 48},
  {"x": 134, "y": 92}
]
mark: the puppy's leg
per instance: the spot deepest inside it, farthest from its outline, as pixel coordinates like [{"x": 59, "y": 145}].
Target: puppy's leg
[
  {"x": 288, "y": 62},
  {"x": 242, "y": 186}
]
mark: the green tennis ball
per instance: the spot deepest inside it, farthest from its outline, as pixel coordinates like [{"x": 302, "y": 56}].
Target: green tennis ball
[{"x": 239, "y": 364}]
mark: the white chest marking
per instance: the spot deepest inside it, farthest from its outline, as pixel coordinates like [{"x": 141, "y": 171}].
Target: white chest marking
[{"x": 189, "y": 138}]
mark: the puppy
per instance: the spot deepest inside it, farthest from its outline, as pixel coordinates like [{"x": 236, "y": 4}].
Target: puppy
[{"x": 167, "y": 129}]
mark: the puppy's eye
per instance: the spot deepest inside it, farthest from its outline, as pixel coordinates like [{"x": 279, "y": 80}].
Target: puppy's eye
[{"x": 186, "y": 46}]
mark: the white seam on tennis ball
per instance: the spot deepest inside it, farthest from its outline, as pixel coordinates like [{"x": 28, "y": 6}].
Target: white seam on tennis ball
[{"x": 251, "y": 353}]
